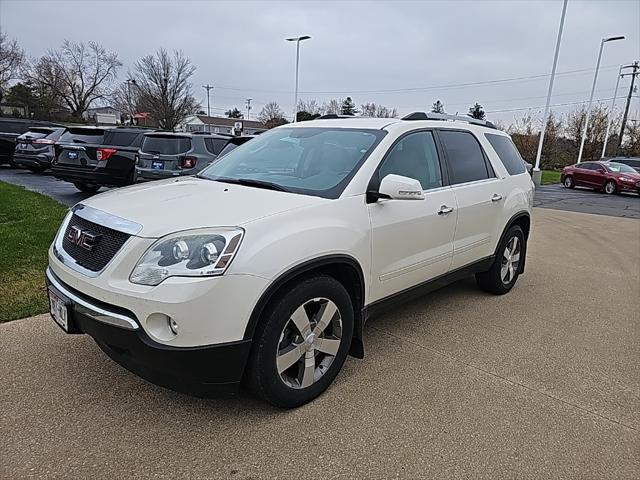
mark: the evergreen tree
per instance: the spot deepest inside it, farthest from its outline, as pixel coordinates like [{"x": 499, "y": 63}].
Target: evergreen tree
[
  {"x": 235, "y": 113},
  {"x": 348, "y": 107},
  {"x": 437, "y": 107},
  {"x": 477, "y": 111}
]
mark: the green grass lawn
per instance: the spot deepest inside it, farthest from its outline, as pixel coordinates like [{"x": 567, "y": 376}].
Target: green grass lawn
[
  {"x": 550, "y": 176},
  {"x": 28, "y": 223}
]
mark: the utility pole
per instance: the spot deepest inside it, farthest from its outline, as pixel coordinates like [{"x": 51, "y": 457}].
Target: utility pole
[
  {"x": 248, "y": 102},
  {"x": 208, "y": 87},
  {"x": 635, "y": 72}
]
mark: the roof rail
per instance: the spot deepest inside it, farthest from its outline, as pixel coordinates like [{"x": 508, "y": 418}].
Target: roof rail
[
  {"x": 330, "y": 116},
  {"x": 445, "y": 117}
]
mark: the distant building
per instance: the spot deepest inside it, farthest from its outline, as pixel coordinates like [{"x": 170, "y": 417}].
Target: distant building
[
  {"x": 95, "y": 114},
  {"x": 203, "y": 123}
]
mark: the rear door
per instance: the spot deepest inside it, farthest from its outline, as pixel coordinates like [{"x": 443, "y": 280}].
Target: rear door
[
  {"x": 582, "y": 174},
  {"x": 78, "y": 147},
  {"x": 163, "y": 152},
  {"x": 411, "y": 240},
  {"x": 479, "y": 196}
]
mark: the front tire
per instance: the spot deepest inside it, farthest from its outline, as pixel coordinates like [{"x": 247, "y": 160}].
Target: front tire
[
  {"x": 301, "y": 342},
  {"x": 504, "y": 272},
  {"x": 87, "y": 187},
  {"x": 610, "y": 187},
  {"x": 568, "y": 182}
]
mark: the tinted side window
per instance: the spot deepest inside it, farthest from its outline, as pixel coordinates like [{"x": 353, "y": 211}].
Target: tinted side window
[
  {"x": 585, "y": 166},
  {"x": 507, "y": 152},
  {"x": 415, "y": 156},
  {"x": 120, "y": 139},
  {"x": 464, "y": 156},
  {"x": 169, "y": 145},
  {"x": 215, "y": 145}
]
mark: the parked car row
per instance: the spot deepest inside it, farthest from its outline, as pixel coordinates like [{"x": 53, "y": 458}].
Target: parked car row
[
  {"x": 93, "y": 157},
  {"x": 605, "y": 176}
]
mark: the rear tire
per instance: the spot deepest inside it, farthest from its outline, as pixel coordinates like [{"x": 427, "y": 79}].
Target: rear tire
[
  {"x": 301, "y": 342},
  {"x": 610, "y": 187},
  {"x": 568, "y": 182},
  {"x": 506, "y": 268},
  {"x": 87, "y": 187}
]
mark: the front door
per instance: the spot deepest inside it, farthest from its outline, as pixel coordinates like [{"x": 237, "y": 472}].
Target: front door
[{"x": 412, "y": 240}]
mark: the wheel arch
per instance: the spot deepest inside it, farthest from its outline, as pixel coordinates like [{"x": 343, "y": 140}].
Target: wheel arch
[
  {"x": 523, "y": 220},
  {"x": 343, "y": 268}
]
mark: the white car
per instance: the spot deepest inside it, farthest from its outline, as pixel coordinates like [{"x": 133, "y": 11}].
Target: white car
[{"x": 263, "y": 268}]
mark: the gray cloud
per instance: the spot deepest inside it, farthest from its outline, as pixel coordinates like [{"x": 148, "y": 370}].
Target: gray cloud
[{"x": 385, "y": 48}]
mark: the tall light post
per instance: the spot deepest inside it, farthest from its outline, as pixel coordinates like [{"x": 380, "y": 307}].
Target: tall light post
[
  {"x": 295, "y": 101},
  {"x": 613, "y": 104},
  {"x": 537, "y": 174},
  {"x": 130, "y": 82},
  {"x": 208, "y": 87},
  {"x": 593, "y": 89},
  {"x": 248, "y": 102}
]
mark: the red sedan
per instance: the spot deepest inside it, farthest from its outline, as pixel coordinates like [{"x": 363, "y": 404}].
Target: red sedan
[{"x": 609, "y": 177}]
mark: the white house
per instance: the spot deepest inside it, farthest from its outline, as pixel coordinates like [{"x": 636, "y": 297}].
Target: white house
[{"x": 203, "y": 123}]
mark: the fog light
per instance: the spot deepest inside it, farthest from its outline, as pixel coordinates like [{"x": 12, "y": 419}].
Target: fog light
[{"x": 173, "y": 325}]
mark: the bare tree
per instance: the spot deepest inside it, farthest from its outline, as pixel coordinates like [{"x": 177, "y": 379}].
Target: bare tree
[
  {"x": 525, "y": 136},
  {"x": 595, "y": 133},
  {"x": 78, "y": 73},
  {"x": 11, "y": 60},
  {"x": 631, "y": 146},
  {"x": 271, "y": 115},
  {"x": 162, "y": 81},
  {"x": 126, "y": 98},
  {"x": 310, "y": 106},
  {"x": 377, "y": 110},
  {"x": 333, "y": 106}
]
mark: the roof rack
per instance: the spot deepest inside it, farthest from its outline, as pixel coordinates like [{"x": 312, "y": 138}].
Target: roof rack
[
  {"x": 444, "y": 117},
  {"x": 330, "y": 116}
]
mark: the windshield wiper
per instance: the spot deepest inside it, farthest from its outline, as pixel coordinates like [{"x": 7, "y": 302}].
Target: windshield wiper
[{"x": 250, "y": 182}]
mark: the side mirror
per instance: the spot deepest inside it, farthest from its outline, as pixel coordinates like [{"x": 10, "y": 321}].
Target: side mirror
[{"x": 398, "y": 187}]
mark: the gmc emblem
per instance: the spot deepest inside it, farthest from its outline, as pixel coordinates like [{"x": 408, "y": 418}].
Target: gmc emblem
[{"x": 83, "y": 238}]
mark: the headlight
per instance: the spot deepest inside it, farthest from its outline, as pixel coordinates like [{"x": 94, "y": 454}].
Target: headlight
[
  {"x": 626, "y": 179},
  {"x": 204, "y": 252}
]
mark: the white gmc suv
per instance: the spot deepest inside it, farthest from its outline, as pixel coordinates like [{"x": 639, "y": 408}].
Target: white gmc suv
[{"x": 263, "y": 268}]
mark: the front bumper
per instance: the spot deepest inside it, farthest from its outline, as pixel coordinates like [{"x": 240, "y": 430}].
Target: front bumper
[{"x": 203, "y": 370}]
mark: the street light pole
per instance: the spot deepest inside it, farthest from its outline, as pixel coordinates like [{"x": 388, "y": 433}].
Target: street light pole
[
  {"x": 295, "y": 101},
  {"x": 613, "y": 104},
  {"x": 537, "y": 175},
  {"x": 248, "y": 102},
  {"x": 593, "y": 89}
]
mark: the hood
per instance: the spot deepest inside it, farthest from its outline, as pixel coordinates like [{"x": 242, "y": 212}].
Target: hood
[
  {"x": 168, "y": 206},
  {"x": 634, "y": 175}
]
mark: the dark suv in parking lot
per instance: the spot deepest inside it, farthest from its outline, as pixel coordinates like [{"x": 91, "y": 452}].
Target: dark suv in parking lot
[
  {"x": 91, "y": 157},
  {"x": 35, "y": 149},
  {"x": 166, "y": 155},
  {"x": 10, "y": 130}
]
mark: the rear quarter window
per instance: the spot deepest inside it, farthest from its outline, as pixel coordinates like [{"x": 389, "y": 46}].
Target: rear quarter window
[
  {"x": 92, "y": 136},
  {"x": 507, "y": 152},
  {"x": 169, "y": 145}
]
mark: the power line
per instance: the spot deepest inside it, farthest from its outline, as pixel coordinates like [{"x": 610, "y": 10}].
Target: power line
[
  {"x": 524, "y": 78},
  {"x": 553, "y": 105}
]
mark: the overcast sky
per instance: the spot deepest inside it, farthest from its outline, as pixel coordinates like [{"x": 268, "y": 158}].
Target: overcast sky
[{"x": 401, "y": 54}]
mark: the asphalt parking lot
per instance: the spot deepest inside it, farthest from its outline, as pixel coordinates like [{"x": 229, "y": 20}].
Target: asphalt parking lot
[
  {"x": 541, "y": 383},
  {"x": 585, "y": 200}
]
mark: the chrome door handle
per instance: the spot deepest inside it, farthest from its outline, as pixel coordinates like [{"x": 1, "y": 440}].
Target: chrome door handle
[
  {"x": 444, "y": 210},
  {"x": 496, "y": 197}
]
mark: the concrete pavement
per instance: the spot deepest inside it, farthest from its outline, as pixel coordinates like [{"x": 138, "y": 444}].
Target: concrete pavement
[{"x": 541, "y": 383}]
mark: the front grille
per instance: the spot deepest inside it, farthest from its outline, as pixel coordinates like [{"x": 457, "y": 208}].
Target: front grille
[{"x": 106, "y": 247}]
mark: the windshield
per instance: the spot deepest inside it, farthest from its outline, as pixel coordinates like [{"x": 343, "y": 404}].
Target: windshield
[
  {"x": 166, "y": 144},
  {"x": 620, "y": 168},
  {"x": 312, "y": 161},
  {"x": 83, "y": 135}
]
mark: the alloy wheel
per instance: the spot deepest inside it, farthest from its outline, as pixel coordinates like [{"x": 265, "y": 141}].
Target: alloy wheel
[
  {"x": 309, "y": 343},
  {"x": 510, "y": 260},
  {"x": 610, "y": 187}
]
